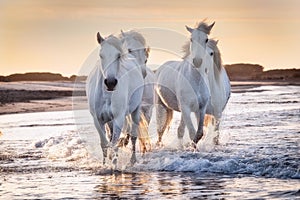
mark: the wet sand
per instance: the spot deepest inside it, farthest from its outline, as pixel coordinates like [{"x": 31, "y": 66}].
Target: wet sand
[{"x": 22, "y": 97}]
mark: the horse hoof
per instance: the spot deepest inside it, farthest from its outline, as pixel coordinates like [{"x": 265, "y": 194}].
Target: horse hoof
[
  {"x": 114, "y": 163},
  {"x": 133, "y": 160},
  {"x": 159, "y": 144},
  {"x": 194, "y": 146},
  {"x": 216, "y": 141},
  {"x": 180, "y": 144}
]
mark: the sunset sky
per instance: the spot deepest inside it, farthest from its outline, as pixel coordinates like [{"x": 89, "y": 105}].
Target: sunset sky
[{"x": 59, "y": 35}]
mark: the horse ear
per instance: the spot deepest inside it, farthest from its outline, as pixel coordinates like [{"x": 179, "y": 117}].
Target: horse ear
[
  {"x": 147, "y": 51},
  {"x": 211, "y": 26},
  {"x": 99, "y": 38},
  {"x": 123, "y": 34},
  {"x": 189, "y": 29}
]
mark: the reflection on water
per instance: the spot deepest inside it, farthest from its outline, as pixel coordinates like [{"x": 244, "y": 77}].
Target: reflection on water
[
  {"x": 160, "y": 185},
  {"x": 120, "y": 184},
  {"x": 193, "y": 186}
]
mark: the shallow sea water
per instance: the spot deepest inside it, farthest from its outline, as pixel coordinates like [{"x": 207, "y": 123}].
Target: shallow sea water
[{"x": 56, "y": 155}]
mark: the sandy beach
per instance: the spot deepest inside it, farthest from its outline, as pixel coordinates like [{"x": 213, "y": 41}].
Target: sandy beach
[
  {"x": 25, "y": 96},
  {"x": 21, "y": 97}
]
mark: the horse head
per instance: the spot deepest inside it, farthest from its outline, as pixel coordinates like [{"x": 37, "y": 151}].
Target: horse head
[
  {"x": 110, "y": 54},
  {"x": 199, "y": 38},
  {"x": 135, "y": 44}
]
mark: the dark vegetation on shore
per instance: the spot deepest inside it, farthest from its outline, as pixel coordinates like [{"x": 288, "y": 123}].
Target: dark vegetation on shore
[
  {"x": 40, "y": 76},
  {"x": 254, "y": 72},
  {"x": 236, "y": 72},
  {"x": 8, "y": 96}
]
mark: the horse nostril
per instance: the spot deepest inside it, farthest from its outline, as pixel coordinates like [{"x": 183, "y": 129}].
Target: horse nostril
[
  {"x": 110, "y": 83},
  {"x": 105, "y": 82},
  {"x": 116, "y": 82},
  {"x": 146, "y": 61}
]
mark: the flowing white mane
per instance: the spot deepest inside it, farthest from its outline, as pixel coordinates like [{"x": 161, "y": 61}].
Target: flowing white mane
[
  {"x": 186, "y": 49},
  {"x": 136, "y": 36},
  {"x": 217, "y": 54},
  {"x": 115, "y": 42}
]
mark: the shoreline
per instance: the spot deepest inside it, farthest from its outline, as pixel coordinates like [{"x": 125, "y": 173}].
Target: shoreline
[{"x": 13, "y": 101}]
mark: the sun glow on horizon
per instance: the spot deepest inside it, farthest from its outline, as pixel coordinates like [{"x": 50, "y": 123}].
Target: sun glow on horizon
[{"x": 58, "y": 36}]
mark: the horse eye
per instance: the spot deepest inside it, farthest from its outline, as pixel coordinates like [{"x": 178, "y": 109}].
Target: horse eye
[
  {"x": 119, "y": 56},
  {"x": 206, "y": 40},
  {"x": 129, "y": 51},
  {"x": 211, "y": 54}
]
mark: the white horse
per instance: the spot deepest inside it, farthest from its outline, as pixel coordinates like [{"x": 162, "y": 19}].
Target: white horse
[
  {"x": 136, "y": 45},
  {"x": 183, "y": 86},
  {"x": 114, "y": 90},
  {"x": 219, "y": 85}
]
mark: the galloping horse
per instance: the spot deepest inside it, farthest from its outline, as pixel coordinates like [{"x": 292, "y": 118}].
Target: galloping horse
[
  {"x": 183, "y": 86},
  {"x": 114, "y": 90},
  {"x": 135, "y": 43},
  {"x": 219, "y": 85}
]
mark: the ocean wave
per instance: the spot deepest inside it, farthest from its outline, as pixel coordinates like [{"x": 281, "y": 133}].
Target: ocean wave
[
  {"x": 221, "y": 164},
  {"x": 72, "y": 149}
]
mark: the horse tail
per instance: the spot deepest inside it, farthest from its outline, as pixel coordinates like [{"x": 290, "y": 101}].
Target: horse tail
[
  {"x": 143, "y": 134},
  {"x": 208, "y": 119}
]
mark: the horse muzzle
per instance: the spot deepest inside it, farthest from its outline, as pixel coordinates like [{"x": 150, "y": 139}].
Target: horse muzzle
[
  {"x": 110, "y": 83},
  {"x": 197, "y": 62}
]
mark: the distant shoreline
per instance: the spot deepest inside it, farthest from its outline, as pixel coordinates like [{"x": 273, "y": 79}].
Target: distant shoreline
[
  {"x": 236, "y": 72},
  {"x": 65, "y": 98}
]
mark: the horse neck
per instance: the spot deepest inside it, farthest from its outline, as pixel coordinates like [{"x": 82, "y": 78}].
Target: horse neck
[
  {"x": 217, "y": 87},
  {"x": 192, "y": 71},
  {"x": 215, "y": 75}
]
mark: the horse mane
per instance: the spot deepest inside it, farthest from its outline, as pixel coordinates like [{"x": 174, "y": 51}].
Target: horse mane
[
  {"x": 186, "y": 49},
  {"x": 136, "y": 36},
  {"x": 203, "y": 26},
  {"x": 217, "y": 54},
  {"x": 115, "y": 42}
]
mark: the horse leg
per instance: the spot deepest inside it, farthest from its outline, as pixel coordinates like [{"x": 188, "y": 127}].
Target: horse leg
[
  {"x": 217, "y": 130},
  {"x": 186, "y": 115},
  {"x": 181, "y": 127},
  {"x": 118, "y": 124},
  {"x": 199, "y": 133},
  {"x": 135, "y": 125},
  {"x": 180, "y": 132},
  {"x": 103, "y": 140}
]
